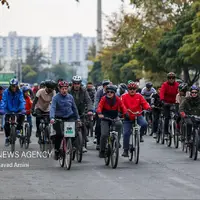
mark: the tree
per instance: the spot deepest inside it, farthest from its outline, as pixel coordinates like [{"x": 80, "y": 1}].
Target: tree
[
  {"x": 91, "y": 52},
  {"x": 28, "y": 74},
  {"x": 5, "y": 2},
  {"x": 95, "y": 75}
]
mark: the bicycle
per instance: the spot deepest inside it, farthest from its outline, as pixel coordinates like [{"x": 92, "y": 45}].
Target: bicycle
[
  {"x": 12, "y": 120},
  {"x": 66, "y": 149},
  {"x": 89, "y": 125},
  {"x": 148, "y": 117},
  {"x": 134, "y": 141},
  {"x": 183, "y": 134},
  {"x": 112, "y": 145},
  {"x": 26, "y": 133}
]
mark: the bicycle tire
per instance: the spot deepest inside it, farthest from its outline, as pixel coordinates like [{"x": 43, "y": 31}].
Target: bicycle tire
[
  {"x": 183, "y": 130},
  {"x": 21, "y": 141},
  {"x": 62, "y": 153},
  {"x": 12, "y": 138},
  {"x": 79, "y": 147},
  {"x": 107, "y": 154},
  {"x": 48, "y": 145},
  {"x": 195, "y": 145},
  {"x": 90, "y": 129},
  {"x": 131, "y": 148},
  {"x": 115, "y": 146},
  {"x": 69, "y": 151},
  {"x": 137, "y": 146},
  {"x": 27, "y": 134},
  {"x": 176, "y": 136},
  {"x": 158, "y": 134}
]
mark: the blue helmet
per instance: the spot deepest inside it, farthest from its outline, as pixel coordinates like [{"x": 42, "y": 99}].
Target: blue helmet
[
  {"x": 25, "y": 89},
  {"x": 13, "y": 81},
  {"x": 194, "y": 87}
]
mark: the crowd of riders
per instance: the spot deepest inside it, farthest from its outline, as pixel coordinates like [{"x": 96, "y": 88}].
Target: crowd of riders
[{"x": 73, "y": 101}]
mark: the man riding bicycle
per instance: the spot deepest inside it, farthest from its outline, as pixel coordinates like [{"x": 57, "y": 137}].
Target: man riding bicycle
[
  {"x": 168, "y": 92},
  {"x": 134, "y": 102},
  {"x": 63, "y": 107},
  {"x": 83, "y": 101},
  {"x": 148, "y": 91},
  {"x": 41, "y": 104},
  {"x": 190, "y": 106},
  {"x": 109, "y": 106},
  {"x": 13, "y": 102}
]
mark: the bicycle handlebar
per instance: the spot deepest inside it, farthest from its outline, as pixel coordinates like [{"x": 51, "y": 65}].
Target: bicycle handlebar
[
  {"x": 110, "y": 119},
  {"x": 135, "y": 113},
  {"x": 193, "y": 116}
]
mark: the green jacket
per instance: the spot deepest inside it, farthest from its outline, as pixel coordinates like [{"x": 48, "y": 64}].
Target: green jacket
[
  {"x": 190, "y": 106},
  {"x": 82, "y": 100}
]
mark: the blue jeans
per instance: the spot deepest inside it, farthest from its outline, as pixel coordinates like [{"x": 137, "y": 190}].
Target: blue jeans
[
  {"x": 2, "y": 120},
  {"x": 29, "y": 119},
  {"x": 127, "y": 130}
]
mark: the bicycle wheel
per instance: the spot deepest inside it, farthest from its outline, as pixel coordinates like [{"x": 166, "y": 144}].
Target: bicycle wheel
[
  {"x": 79, "y": 147},
  {"x": 195, "y": 145},
  {"x": 27, "y": 134},
  {"x": 62, "y": 152},
  {"x": 107, "y": 154},
  {"x": 158, "y": 132},
  {"x": 90, "y": 128},
  {"x": 43, "y": 140},
  {"x": 162, "y": 132},
  {"x": 12, "y": 138},
  {"x": 21, "y": 141},
  {"x": 131, "y": 148},
  {"x": 137, "y": 146},
  {"x": 183, "y": 131},
  {"x": 48, "y": 144},
  {"x": 176, "y": 135},
  {"x": 114, "y": 151},
  {"x": 69, "y": 151},
  {"x": 169, "y": 135}
]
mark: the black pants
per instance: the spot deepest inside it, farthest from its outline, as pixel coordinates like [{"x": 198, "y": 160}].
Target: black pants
[
  {"x": 98, "y": 129},
  {"x": 189, "y": 128},
  {"x": 59, "y": 127},
  {"x": 20, "y": 120},
  {"x": 167, "y": 117},
  {"x": 155, "y": 115},
  {"x": 84, "y": 129}
]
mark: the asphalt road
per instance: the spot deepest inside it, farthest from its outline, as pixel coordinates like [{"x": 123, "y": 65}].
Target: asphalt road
[{"x": 162, "y": 173}]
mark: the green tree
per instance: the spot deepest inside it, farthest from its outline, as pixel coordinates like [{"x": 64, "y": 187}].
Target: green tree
[
  {"x": 28, "y": 74},
  {"x": 95, "y": 75}
]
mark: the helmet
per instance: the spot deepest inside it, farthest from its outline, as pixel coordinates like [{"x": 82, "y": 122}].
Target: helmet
[
  {"x": 123, "y": 86},
  {"x": 35, "y": 84},
  {"x": 171, "y": 75},
  {"x": 194, "y": 87},
  {"x": 105, "y": 82},
  {"x": 111, "y": 88},
  {"x": 63, "y": 84},
  {"x": 132, "y": 85},
  {"x": 183, "y": 87},
  {"x": 50, "y": 84},
  {"x": 25, "y": 89},
  {"x": 42, "y": 84},
  {"x": 149, "y": 85},
  {"x": 77, "y": 79},
  {"x": 179, "y": 81},
  {"x": 13, "y": 81}
]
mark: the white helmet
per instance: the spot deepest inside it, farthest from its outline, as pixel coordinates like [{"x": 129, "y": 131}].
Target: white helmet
[{"x": 76, "y": 79}]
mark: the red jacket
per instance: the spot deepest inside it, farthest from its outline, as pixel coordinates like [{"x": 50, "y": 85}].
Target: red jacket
[
  {"x": 111, "y": 107},
  {"x": 168, "y": 92},
  {"x": 28, "y": 105},
  {"x": 135, "y": 103}
]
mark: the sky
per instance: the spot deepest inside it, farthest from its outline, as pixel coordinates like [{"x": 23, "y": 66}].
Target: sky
[{"x": 47, "y": 18}]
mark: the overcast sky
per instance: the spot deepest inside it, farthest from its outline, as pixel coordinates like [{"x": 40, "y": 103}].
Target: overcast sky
[{"x": 54, "y": 17}]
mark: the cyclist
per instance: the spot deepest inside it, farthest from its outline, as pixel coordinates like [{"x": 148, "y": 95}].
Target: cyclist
[
  {"x": 13, "y": 102},
  {"x": 136, "y": 103},
  {"x": 168, "y": 92},
  {"x": 57, "y": 87},
  {"x": 156, "y": 105},
  {"x": 35, "y": 88},
  {"x": 2, "y": 116},
  {"x": 63, "y": 107},
  {"x": 100, "y": 93},
  {"x": 182, "y": 93},
  {"x": 148, "y": 91},
  {"x": 83, "y": 101},
  {"x": 190, "y": 106},
  {"x": 28, "y": 106},
  {"x": 122, "y": 88},
  {"x": 91, "y": 91},
  {"x": 109, "y": 106},
  {"x": 41, "y": 103}
]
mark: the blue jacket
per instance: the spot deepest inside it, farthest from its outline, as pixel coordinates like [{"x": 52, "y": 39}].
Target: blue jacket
[
  {"x": 13, "y": 102},
  {"x": 63, "y": 106}
]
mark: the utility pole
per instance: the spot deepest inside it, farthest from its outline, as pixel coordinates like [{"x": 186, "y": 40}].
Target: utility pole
[{"x": 99, "y": 26}]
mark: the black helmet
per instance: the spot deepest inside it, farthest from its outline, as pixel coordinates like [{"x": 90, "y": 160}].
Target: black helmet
[
  {"x": 123, "y": 86},
  {"x": 105, "y": 82},
  {"x": 171, "y": 75},
  {"x": 149, "y": 85},
  {"x": 50, "y": 84},
  {"x": 111, "y": 88},
  {"x": 183, "y": 87},
  {"x": 42, "y": 84}
]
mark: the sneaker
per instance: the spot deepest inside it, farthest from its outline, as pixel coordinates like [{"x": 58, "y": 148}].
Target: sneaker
[
  {"x": 84, "y": 150},
  {"x": 98, "y": 147},
  {"x": 56, "y": 155},
  {"x": 102, "y": 154},
  {"x": 141, "y": 139},
  {"x": 154, "y": 135},
  {"x": 7, "y": 142},
  {"x": 95, "y": 140},
  {"x": 125, "y": 153}
]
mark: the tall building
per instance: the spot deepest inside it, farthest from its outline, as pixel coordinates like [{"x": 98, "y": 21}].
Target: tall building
[
  {"x": 14, "y": 46},
  {"x": 70, "y": 49}
]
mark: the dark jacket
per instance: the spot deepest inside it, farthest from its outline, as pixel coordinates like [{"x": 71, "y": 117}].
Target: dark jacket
[
  {"x": 155, "y": 100},
  {"x": 81, "y": 99},
  {"x": 92, "y": 94},
  {"x": 191, "y": 106}
]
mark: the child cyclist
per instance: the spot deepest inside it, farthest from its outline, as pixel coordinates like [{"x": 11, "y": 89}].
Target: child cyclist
[{"x": 28, "y": 106}]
